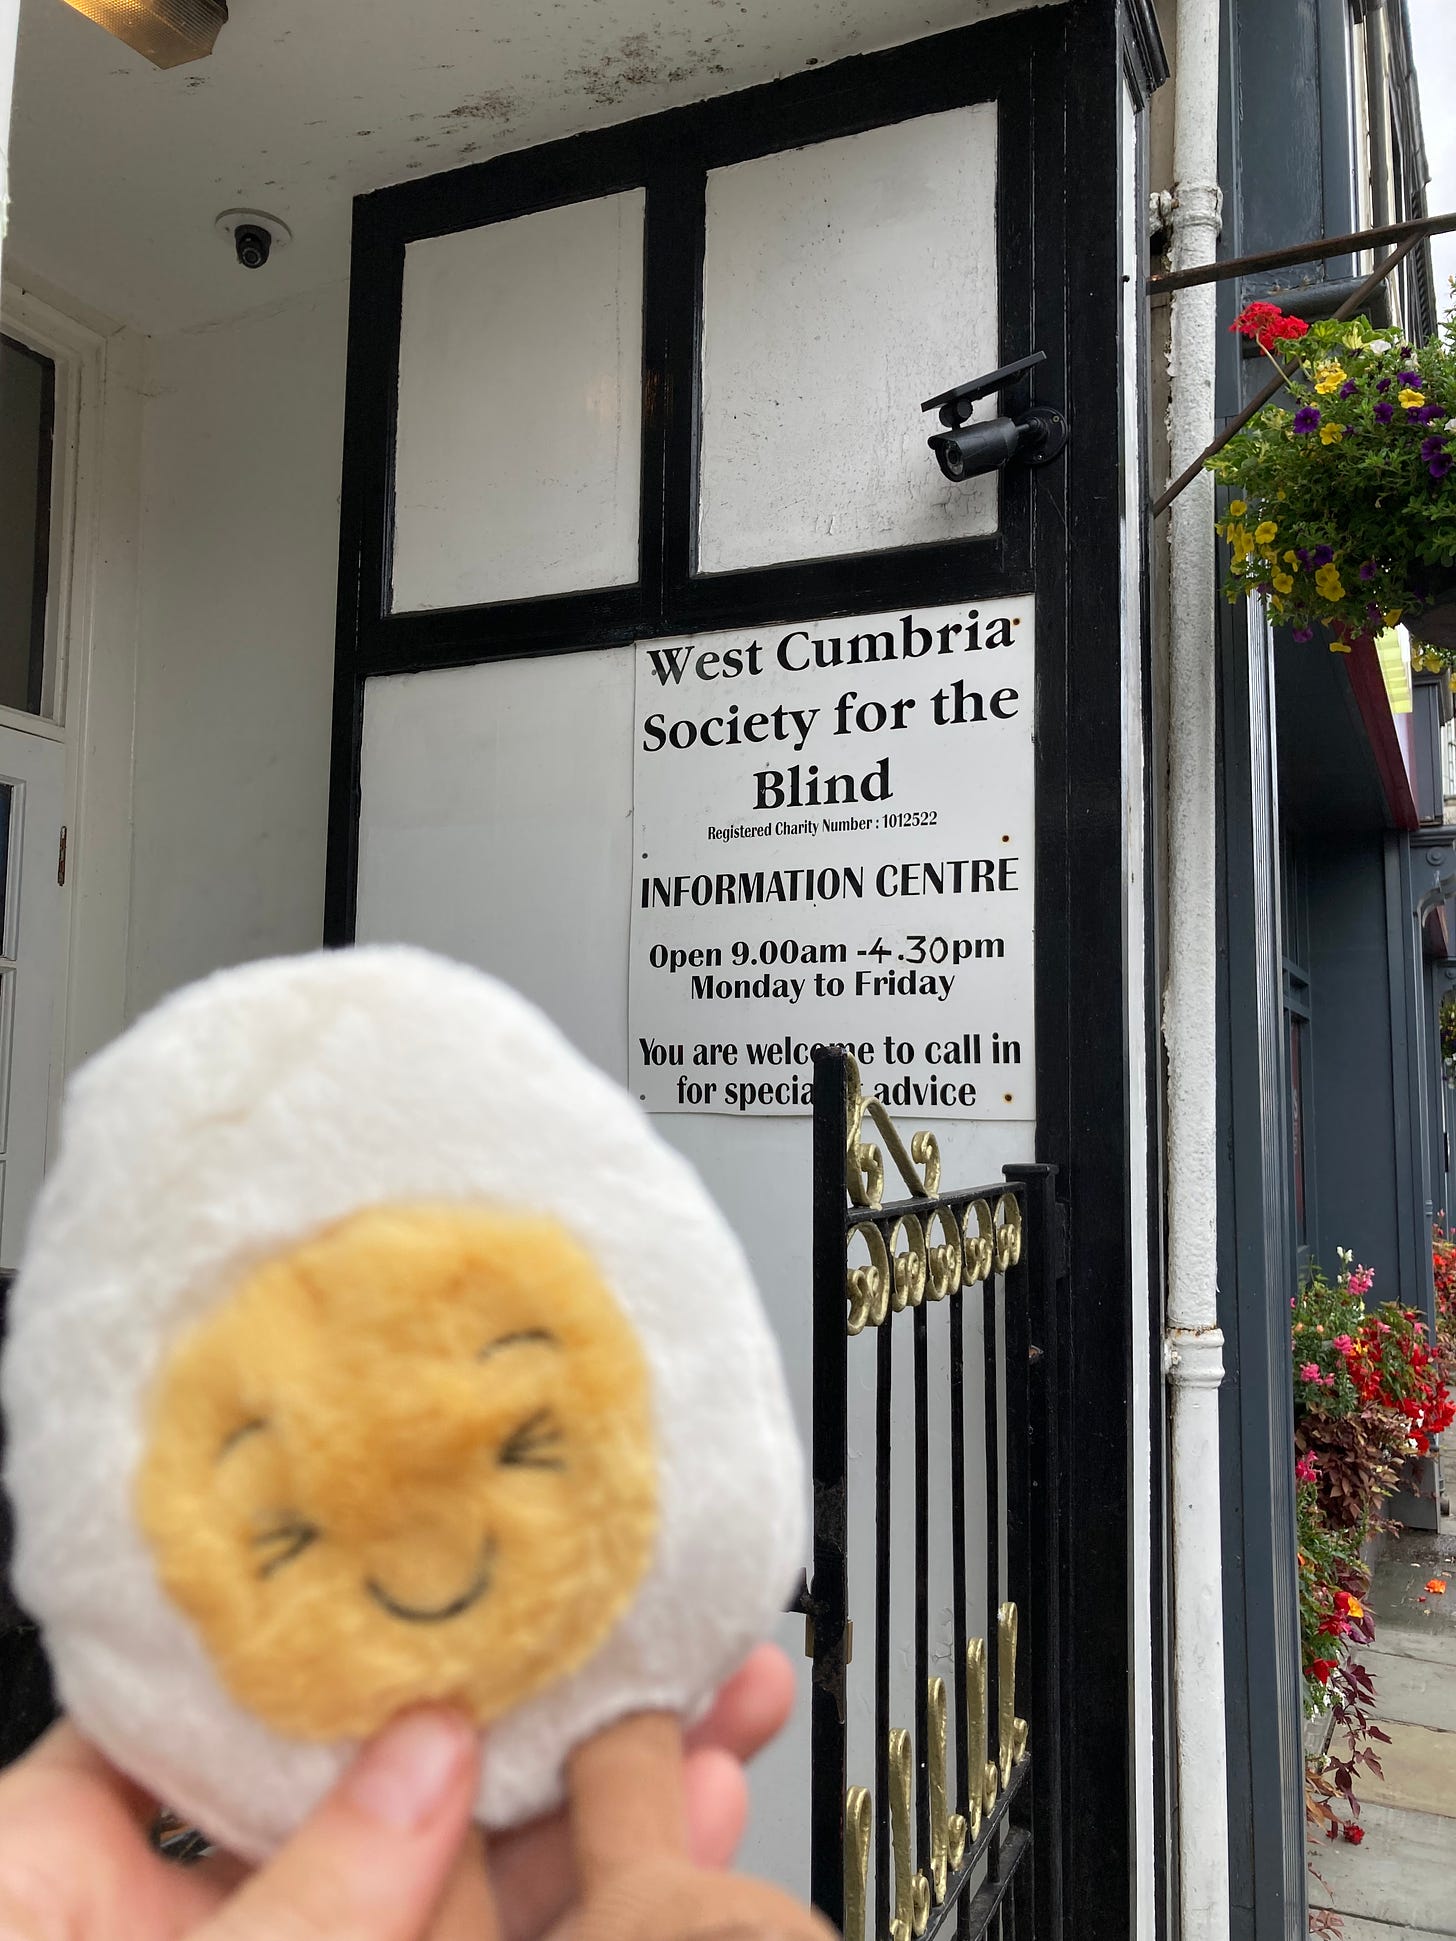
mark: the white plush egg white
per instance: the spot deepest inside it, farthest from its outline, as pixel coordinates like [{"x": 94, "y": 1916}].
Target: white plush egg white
[{"x": 251, "y": 1111}]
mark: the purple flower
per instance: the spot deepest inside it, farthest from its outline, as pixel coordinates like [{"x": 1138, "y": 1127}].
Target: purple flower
[
  {"x": 1384, "y": 413},
  {"x": 1440, "y": 465},
  {"x": 1323, "y": 555},
  {"x": 1307, "y": 418},
  {"x": 1383, "y": 385},
  {"x": 1367, "y": 571},
  {"x": 1413, "y": 378},
  {"x": 1433, "y": 447},
  {"x": 1304, "y": 633},
  {"x": 1349, "y": 388},
  {"x": 1428, "y": 413},
  {"x": 1303, "y": 552}
]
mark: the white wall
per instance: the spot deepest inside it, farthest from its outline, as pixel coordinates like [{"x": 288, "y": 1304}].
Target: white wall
[
  {"x": 235, "y": 630},
  {"x": 9, "y": 25}
]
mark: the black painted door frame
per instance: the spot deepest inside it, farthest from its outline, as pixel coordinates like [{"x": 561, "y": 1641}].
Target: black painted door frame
[{"x": 1059, "y": 74}]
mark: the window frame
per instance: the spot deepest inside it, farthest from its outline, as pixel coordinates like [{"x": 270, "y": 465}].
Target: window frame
[{"x": 42, "y": 632}]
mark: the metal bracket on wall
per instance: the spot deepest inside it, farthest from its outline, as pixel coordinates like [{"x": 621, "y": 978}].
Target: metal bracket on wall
[{"x": 1406, "y": 235}]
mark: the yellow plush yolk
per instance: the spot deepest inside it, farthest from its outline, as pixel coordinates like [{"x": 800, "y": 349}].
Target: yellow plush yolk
[{"x": 410, "y": 1460}]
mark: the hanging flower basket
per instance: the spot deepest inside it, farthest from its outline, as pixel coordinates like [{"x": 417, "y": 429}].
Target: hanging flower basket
[{"x": 1343, "y": 508}]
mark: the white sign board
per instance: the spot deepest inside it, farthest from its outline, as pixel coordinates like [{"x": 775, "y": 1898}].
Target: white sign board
[{"x": 834, "y": 844}]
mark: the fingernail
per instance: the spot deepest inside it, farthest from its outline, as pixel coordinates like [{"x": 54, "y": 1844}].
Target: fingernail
[{"x": 406, "y": 1774}]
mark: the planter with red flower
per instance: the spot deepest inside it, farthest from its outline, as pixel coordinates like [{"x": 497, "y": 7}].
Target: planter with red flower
[
  {"x": 1343, "y": 503},
  {"x": 1370, "y": 1391}
]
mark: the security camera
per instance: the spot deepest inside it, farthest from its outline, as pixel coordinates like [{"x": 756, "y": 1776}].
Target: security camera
[
  {"x": 974, "y": 449},
  {"x": 253, "y": 245},
  {"x": 965, "y": 450},
  {"x": 253, "y": 234}
]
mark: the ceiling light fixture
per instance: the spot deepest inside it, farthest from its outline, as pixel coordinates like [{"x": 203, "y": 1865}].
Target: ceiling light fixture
[{"x": 168, "y": 32}]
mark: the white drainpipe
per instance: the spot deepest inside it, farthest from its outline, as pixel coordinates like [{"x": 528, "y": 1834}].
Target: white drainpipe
[
  {"x": 9, "y": 28},
  {"x": 1193, "y": 1345}
]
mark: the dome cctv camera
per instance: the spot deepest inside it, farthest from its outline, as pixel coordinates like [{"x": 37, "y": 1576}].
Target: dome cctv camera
[
  {"x": 254, "y": 235},
  {"x": 253, "y": 245}
]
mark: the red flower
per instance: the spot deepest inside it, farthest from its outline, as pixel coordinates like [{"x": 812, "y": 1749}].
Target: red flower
[
  {"x": 1267, "y": 324},
  {"x": 1354, "y": 1834},
  {"x": 1321, "y": 1668}
]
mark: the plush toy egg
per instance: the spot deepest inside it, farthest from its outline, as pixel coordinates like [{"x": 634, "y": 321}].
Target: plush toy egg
[{"x": 371, "y": 1349}]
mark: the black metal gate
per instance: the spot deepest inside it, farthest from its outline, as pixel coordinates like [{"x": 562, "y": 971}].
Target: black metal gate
[{"x": 952, "y": 1824}]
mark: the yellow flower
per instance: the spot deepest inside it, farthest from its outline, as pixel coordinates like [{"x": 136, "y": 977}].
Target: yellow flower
[
  {"x": 1266, "y": 533},
  {"x": 1237, "y": 508},
  {"x": 1283, "y": 583},
  {"x": 1331, "y": 434},
  {"x": 1392, "y": 619},
  {"x": 1339, "y": 646},
  {"x": 1356, "y": 1608},
  {"x": 1277, "y": 605},
  {"x": 1412, "y": 400},
  {"x": 1292, "y": 558},
  {"x": 1328, "y": 580},
  {"x": 1328, "y": 377}
]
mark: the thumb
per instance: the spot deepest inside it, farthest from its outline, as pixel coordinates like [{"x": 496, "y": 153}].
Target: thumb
[{"x": 372, "y": 1861}]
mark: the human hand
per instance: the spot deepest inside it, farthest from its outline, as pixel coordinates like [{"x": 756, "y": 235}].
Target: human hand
[
  {"x": 389, "y": 1856},
  {"x": 635, "y": 1878}
]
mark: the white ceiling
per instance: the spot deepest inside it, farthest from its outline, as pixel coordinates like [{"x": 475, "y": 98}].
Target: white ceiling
[{"x": 119, "y": 169}]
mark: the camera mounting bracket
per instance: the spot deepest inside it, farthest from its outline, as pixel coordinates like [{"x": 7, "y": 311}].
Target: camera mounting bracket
[{"x": 955, "y": 405}]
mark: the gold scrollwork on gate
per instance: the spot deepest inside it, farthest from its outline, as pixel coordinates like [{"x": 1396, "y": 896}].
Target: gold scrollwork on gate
[
  {"x": 907, "y": 1246},
  {"x": 1008, "y": 1232},
  {"x": 912, "y": 1889},
  {"x": 925, "y": 1151},
  {"x": 978, "y": 1243},
  {"x": 1014, "y": 1733},
  {"x": 864, "y": 1161},
  {"x": 925, "y": 1259},
  {"x": 943, "y": 1256},
  {"x": 951, "y": 1833},
  {"x": 975, "y": 1727},
  {"x": 947, "y": 1829},
  {"x": 856, "y": 1861},
  {"x": 867, "y": 1283},
  {"x": 985, "y": 1781}
]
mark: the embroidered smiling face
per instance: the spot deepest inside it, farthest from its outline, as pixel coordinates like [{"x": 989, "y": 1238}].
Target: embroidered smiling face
[{"x": 412, "y": 1459}]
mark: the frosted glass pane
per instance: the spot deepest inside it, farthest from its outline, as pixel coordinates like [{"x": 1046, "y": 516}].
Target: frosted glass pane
[
  {"x": 495, "y": 825},
  {"x": 518, "y": 461},
  {"x": 844, "y": 283}
]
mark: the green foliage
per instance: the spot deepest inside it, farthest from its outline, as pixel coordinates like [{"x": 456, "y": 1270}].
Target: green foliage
[{"x": 1344, "y": 508}]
